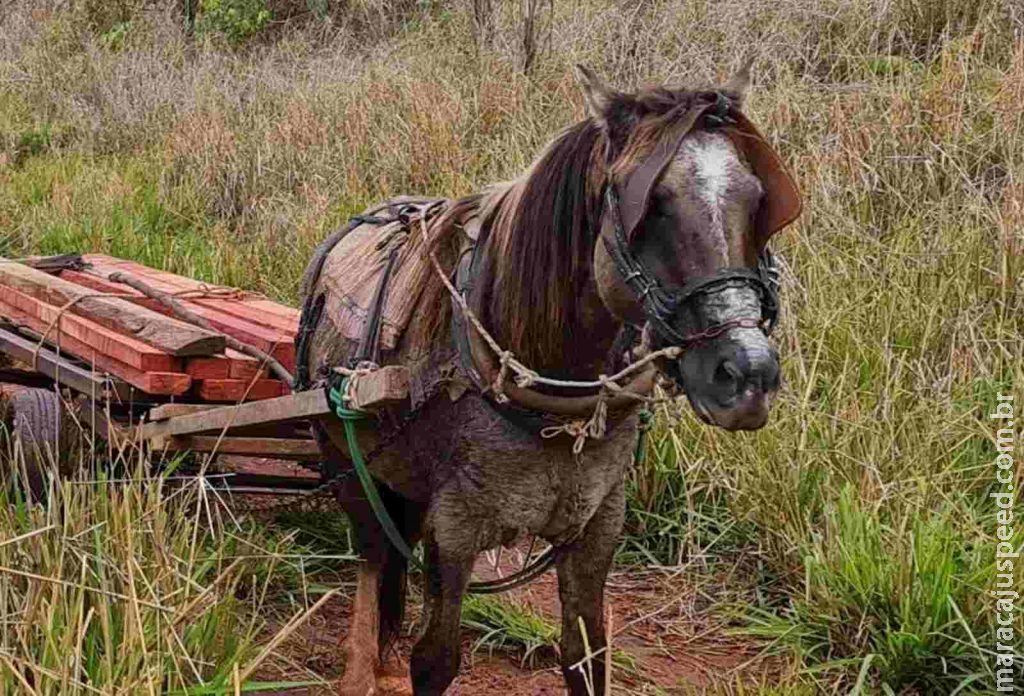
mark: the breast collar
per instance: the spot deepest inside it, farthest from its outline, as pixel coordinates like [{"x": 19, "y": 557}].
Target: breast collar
[{"x": 527, "y": 408}]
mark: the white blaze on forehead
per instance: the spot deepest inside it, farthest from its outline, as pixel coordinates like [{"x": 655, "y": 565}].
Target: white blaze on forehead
[{"x": 712, "y": 162}]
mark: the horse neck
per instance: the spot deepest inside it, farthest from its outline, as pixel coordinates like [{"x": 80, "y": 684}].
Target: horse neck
[
  {"x": 589, "y": 340},
  {"x": 588, "y": 337}
]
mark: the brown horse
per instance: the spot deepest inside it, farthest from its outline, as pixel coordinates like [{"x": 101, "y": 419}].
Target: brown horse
[{"x": 652, "y": 212}]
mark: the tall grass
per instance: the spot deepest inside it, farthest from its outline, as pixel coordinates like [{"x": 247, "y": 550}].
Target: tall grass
[
  {"x": 863, "y": 505},
  {"x": 143, "y": 584}
]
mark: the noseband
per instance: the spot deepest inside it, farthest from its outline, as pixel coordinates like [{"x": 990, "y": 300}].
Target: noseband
[{"x": 662, "y": 305}]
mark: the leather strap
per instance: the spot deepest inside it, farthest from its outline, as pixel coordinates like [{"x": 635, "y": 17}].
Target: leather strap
[
  {"x": 369, "y": 344},
  {"x": 781, "y": 204},
  {"x": 640, "y": 185}
]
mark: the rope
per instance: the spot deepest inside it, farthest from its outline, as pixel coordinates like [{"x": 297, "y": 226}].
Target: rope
[
  {"x": 217, "y": 292},
  {"x": 340, "y": 399},
  {"x": 525, "y": 377}
]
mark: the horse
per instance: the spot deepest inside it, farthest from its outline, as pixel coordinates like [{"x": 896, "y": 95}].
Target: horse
[{"x": 647, "y": 220}]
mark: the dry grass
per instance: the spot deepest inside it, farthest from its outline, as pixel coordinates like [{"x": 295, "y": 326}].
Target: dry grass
[{"x": 904, "y": 309}]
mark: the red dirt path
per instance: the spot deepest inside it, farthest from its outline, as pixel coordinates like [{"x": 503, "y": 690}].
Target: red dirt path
[{"x": 660, "y": 619}]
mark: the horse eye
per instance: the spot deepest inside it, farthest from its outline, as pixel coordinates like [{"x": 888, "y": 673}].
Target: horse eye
[{"x": 659, "y": 209}]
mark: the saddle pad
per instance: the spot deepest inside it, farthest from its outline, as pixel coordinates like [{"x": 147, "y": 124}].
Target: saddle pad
[{"x": 352, "y": 271}]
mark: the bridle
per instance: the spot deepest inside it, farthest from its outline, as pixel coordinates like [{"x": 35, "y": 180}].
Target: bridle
[
  {"x": 663, "y": 306},
  {"x": 621, "y": 214}
]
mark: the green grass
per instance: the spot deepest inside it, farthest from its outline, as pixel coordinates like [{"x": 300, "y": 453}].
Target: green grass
[
  {"x": 146, "y": 587},
  {"x": 901, "y": 597},
  {"x": 863, "y": 507},
  {"x": 504, "y": 624}
]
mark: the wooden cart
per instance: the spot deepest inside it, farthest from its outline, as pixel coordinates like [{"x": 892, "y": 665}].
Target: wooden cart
[{"x": 88, "y": 351}]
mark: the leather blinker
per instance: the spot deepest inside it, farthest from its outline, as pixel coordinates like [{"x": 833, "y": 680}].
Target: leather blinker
[
  {"x": 781, "y": 204},
  {"x": 640, "y": 185}
]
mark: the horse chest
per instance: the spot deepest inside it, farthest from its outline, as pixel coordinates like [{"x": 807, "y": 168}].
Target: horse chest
[{"x": 495, "y": 481}]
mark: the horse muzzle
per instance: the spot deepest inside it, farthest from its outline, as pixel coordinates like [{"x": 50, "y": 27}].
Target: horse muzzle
[{"x": 732, "y": 380}]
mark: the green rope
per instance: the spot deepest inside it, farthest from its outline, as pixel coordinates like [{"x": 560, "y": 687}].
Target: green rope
[
  {"x": 349, "y": 417},
  {"x": 646, "y": 420}
]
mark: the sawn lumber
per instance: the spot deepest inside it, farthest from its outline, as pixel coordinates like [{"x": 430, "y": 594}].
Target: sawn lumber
[{"x": 169, "y": 335}]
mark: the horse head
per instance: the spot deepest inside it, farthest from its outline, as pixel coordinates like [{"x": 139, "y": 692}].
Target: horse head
[{"x": 692, "y": 194}]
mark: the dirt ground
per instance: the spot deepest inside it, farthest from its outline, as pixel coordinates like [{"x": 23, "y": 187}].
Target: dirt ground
[
  {"x": 660, "y": 621},
  {"x": 656, "y": 620}
]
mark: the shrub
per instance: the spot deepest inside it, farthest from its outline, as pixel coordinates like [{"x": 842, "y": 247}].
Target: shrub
[{"x": 235, "y": 20}]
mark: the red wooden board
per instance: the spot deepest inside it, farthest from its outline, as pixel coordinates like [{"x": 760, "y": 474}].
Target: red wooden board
[
  {"x": 40, "y": 317},
  {"x": 251, "y": 307},
  {"x": 160, "y": 383},
  {"x": 230, "y": 376},
  {"x": 209, "y": 367},
  {"x": 271, "y": 340},
  {"x": 239, "y": 389}
]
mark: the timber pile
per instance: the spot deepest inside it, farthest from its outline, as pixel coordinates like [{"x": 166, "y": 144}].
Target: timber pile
[{"x": 117, "y": 330}]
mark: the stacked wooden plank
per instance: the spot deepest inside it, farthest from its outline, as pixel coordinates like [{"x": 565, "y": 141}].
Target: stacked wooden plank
[{"x": 119, "y": 331}]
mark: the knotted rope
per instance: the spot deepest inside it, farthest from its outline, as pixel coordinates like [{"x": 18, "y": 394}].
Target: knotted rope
[{"x": 525, "y": 377}]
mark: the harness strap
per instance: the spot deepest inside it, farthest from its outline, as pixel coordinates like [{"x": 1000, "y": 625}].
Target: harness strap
[
  {"x": 313, "y": 305},
  {"x": 369, "y": 342}
]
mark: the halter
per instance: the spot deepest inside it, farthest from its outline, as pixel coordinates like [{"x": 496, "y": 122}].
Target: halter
[{"x": 662, "y": 305}]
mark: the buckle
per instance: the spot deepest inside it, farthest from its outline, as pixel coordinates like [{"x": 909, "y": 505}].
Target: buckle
[{"x": 718, "y": 115}]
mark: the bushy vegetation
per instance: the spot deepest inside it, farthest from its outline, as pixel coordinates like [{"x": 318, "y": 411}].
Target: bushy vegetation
[
  {"x": 234, "y": 20},
  {"x": 861, "y": 515}
]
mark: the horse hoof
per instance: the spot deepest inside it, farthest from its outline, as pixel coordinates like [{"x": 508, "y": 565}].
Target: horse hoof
[
  {"x": 393, "y": 679},
  {"x": 358, "y": 687}
]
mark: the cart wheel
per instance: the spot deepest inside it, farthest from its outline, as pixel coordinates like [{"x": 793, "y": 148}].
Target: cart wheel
[{"x": 49, "y": 437}]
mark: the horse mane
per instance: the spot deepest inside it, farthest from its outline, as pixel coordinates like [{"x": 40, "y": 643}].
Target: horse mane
[
  {"x": 543, "y": 226},
  {"x": 542, "y": 242}
]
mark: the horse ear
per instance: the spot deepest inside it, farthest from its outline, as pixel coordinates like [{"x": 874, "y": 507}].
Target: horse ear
[
  {"x": 596, "y": 93},
  {"x": 739, "y": 83}
]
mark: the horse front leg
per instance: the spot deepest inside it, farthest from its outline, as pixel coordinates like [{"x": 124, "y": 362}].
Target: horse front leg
[
  {"x": 437, "y": 654},
  {"x": 379, "y": 602},
  {"x": 582, "y": 570},
  {"x": 360, "y": 645}
]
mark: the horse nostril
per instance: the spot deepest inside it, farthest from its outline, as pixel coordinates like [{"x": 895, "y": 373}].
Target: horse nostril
[
  {"x": 770, "y": 375},
  {"x": 743, "y": 371},
  {"x": 728, "y": 376}
]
